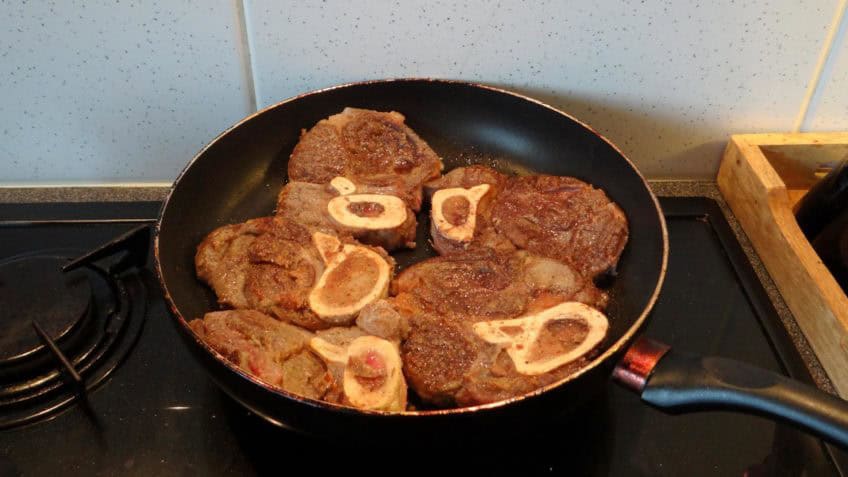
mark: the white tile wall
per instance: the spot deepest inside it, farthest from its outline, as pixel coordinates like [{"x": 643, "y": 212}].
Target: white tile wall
[
  {"x": 829, "y": 107},
  {"x": 96, "y": 91},
  {"x": 128, "y": 91},
  {"x": 667, "y": 81}
]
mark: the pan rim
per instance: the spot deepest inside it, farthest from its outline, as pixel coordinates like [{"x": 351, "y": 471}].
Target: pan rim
[{"x": 608, "y": 353}]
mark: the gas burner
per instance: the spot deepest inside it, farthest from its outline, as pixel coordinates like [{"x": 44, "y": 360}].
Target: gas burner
[
  {"x": 37, "y": 289},
  {"x": 67, "y": 324}
]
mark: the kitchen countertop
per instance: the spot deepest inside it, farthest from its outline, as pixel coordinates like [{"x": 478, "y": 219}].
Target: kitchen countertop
[{"x": 671, "y": 188}]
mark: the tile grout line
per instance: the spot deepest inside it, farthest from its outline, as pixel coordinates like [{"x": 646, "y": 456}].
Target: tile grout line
[
  {"x": 825, "y": 58},
  {"x": 247, "y": 49}
]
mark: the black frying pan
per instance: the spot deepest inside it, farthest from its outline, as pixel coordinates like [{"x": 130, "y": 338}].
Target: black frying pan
[{"x": 238, "y": 176}]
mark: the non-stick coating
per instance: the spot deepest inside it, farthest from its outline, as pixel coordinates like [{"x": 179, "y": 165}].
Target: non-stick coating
[{"x": 238, "y": 176}]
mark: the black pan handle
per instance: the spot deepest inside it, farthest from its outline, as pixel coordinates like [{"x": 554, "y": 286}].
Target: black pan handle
[{"x": 677, "y": 382}]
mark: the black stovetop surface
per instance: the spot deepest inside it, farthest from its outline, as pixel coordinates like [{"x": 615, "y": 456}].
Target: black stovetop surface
[{"x": 159, "y": 414}]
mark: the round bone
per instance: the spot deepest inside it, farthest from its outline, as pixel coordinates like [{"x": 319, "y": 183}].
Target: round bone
[
  {"x": 390, "y": 395},
  {"x": 392, "y": 215},
  {"x": 463, "y": 232},
  {"x": 333, "y": 354},
  {"x": 343, "y": 185},
  {"x": 520, "y": 334},
  {"x": 334, "y": 254}
]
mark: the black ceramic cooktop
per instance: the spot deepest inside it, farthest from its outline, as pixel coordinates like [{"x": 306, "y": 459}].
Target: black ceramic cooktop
[{"x": 158, "y": 413}]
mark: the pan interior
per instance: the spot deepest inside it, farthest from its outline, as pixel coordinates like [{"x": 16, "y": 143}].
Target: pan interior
[{"x": 238, "y": 176}]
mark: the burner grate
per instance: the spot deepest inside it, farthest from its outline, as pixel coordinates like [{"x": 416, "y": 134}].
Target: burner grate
[
  {"x": 33, "y": 287},
  {"x": 74, "y": 322}
]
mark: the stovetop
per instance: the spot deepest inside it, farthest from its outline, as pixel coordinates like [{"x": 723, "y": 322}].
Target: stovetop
[{"x": 159, "y": 414}]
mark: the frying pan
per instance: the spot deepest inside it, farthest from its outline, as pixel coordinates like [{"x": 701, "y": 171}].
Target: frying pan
[{"x": 238, "y": 175}]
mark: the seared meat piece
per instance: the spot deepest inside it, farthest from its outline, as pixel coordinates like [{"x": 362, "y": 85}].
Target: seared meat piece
[
  {"x": 307, "y": 204},
  {"x": 341, "y": 365},
  {"x": 268, "y": 264},
  {"x": 445, "y": 361},
  {"x": 553, "y": 216},
  {"x": 479, "y": 283},
  {"x": 438, "y": 357},
  {"x": 381, "y": 319},
  {"x": 448, "y": 364},
  {"x": 276, "y": 266},
  {"x": 456, "y": 210},
  {"x": 486, "y": 285},
  {"x": 276, "y": 353},
  {"x": 467, "y": 177},
  {"x": 371, "y": 148},
  {"x": 562, "y": 218}
]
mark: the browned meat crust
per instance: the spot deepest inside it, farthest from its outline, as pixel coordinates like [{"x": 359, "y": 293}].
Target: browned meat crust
[
  {"x": 444, "y": 361},
  {"x": 272, "y": 351},
  {"x": 553, "y": 216},
  {"x": 267, "y": 264},
  {"x": 368, "y": 147},
  {"x": 562, "y": 218}
]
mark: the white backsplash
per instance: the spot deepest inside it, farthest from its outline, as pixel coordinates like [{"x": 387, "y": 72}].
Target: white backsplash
[
  {"x": 97, "y": 92},
  {"x": 829, "y": 108}
]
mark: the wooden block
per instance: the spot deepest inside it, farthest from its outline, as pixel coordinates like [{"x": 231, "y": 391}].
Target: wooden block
[{"x": 762, "y": 203}]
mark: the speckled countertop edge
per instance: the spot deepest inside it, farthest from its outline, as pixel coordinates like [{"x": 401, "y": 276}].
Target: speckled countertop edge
[
  {"x": 80, "y": 194},
  {"x": 661, "y": 188}
]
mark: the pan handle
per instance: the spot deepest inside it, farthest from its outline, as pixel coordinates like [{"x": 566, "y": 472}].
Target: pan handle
[{"x": 676, "y": 382}]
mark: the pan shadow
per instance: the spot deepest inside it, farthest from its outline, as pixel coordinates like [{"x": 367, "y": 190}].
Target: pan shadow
[{"x": 578, "y": 443}]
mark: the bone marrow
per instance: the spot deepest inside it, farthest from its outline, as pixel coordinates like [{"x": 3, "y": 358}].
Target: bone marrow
[
  {"x": 385, "y": 222},
  {"x": 536, "y": 348},
  {"x": 367, "y": 211},
  {"x": 455, "y": 211},
  {"x": 354, "y": 277},
  {"x": 372, "y": 377}
]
